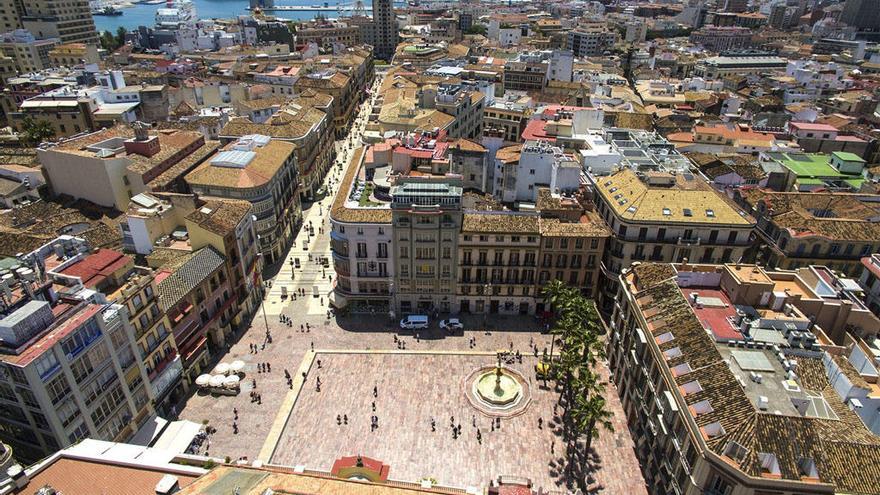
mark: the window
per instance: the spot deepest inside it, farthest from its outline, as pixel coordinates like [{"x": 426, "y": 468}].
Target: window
[
  {"x": 58, "y": 389},
  {"x": 47, "y": 364}
]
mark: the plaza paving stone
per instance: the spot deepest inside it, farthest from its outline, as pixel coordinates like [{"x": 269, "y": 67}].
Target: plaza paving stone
[{"x": 413, "y": 388}]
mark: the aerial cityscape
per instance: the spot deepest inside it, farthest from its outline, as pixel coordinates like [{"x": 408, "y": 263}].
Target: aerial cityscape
[{"x": 477, "y": 247}]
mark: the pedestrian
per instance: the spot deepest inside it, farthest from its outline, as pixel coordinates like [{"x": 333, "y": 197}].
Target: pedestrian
[
  {"x": 540, "y": 423},
  {"x": 374, "y": 406},
  {"x": 375, "y": 391},
  {"x": 302, "y": 328},
  {"x": 235, "y": 427},
  {"x": 268, "y": 367},
  {"x": 319, "y": 364},
  {"x": 312, "y": 345},
  {"x": 345, "y": 418},
  {"x": 260, "y": 399},
  {"x": 254, "y": 382},
  {"x": 433, "y": 425},
  {"x": 474, "y": 420},
  {"x": 339, "y": 420}
]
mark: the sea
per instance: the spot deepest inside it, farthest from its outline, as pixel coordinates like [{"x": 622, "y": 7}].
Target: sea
[{"x": 144, "y": 15}]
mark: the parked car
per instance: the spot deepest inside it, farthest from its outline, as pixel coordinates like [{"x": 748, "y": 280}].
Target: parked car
[
  {"x": 451, "y": 324},
  {"x": 414, "y": 322}
]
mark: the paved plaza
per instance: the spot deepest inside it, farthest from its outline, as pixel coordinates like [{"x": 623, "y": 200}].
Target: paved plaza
[{"x": 413, "y": 389}]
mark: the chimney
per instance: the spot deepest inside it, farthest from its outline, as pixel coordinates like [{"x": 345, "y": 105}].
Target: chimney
[
  {"x": 19, "y": 477},
  {"x": 143, "y": 144}
]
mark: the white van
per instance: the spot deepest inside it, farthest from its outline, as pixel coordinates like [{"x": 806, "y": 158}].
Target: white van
[{"x": 414, "y": 322}]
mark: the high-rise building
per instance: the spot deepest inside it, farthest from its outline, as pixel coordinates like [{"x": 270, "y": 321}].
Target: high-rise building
[
  {"x": 736, "y": 5},
  {"x": 862, "y": 14},
  {"x": 11, "y": 12},
  {"x": 70, "y": 21},
  {"x": 385, "y": 29}
]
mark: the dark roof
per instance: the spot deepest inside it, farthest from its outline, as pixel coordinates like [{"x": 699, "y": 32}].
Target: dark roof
[{"x": 198, "y": 267}]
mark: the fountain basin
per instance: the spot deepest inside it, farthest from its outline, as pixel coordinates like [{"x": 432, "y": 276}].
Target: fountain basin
[
  {"x": 498, "y": 391},
  {"x": 494, "y": 396}
]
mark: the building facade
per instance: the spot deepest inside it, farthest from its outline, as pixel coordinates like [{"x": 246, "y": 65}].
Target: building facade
[
  {"x": 426, "y": 219},
  {"x": 263, "y": 172},
  {"x": 69, "y": 21},
  {"x": 667, "y": 218}
]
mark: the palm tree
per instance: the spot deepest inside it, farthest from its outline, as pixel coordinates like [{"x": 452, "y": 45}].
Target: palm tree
[{"x": 589, "y": 413}]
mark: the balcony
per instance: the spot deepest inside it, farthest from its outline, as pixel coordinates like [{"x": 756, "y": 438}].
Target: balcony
[
  {"x": 180, "y": 313},
  {"x": 172, "y": 357}
]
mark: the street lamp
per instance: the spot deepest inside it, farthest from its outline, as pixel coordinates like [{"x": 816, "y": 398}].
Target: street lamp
[
  {"x": 487, "y": 289},
  {"x": 391, "y": 304},
  {"x": 262, "y": 299}
]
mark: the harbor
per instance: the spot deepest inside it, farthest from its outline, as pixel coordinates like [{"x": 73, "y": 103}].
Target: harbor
[{"x": 143, "y": 12}]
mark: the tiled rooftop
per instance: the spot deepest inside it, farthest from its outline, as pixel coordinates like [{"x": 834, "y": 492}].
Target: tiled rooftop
[
  {"x": 190, "y": 273},
  {"x": 844, "y": 216},
  {"x": 634, "y": 199},
  {"x": 846, "y": 454},
  {"x": 269, "y": 159},
  {"x": 220, "y": 216}
]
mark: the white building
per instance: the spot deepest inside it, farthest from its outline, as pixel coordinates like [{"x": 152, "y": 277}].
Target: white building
[
  {"x": 561, "y": 64},
  {"x": 540, "y": 164}
]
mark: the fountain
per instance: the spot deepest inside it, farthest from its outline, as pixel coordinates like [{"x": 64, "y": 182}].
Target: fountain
[{"x": 498, "y": 391}]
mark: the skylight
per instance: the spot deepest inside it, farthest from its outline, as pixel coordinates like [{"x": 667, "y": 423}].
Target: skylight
[
  {"x": 667, "y": 212},
  {"x": 693, "y": 387},
  {"x": 710, "y": 213},
  {"x": 688, "y": 212}
]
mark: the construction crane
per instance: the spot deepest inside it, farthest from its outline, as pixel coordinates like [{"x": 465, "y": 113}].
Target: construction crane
[{"x": 354, "y": 9}]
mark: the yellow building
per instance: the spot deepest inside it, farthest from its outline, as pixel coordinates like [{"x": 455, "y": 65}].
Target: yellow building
[{"x": 72, "y": 54}]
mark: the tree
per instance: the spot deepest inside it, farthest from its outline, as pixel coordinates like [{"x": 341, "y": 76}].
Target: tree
[
  {"x": 36, "y": 131},
  {"x": 577, "y": 327},
  {"x": 120, "y": 36},
  {"x": 589, "y": 412},
  {"x": 476, "y": 29},
  {"x": 108, "y": 41}
]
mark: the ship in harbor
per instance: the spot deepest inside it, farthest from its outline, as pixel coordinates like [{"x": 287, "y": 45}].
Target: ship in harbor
[
  {"x": 176, "y": 13},
  {"x": 109, "y": 10}
]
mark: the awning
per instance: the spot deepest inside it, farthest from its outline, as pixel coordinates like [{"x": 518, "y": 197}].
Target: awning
[
  {"x": 151, "y": 429},
  {"x": 178, "y": 436}
]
